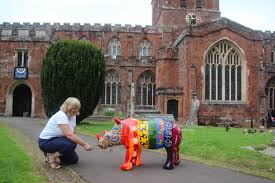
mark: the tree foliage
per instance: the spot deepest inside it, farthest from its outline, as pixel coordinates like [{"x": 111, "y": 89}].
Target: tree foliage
[{"x": 72, "y": 69}]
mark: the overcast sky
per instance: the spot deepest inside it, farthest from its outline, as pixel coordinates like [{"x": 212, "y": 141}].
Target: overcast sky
[{"x": 256, "y": 14}]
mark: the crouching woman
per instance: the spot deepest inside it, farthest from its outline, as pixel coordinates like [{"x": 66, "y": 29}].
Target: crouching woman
[{"x": 58, "y": 140}]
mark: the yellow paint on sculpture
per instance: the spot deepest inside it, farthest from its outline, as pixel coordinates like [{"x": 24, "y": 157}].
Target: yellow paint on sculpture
[{"x": 142, "y": 131}]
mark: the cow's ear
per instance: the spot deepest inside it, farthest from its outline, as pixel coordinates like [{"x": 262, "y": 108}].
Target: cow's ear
[{"x": 117, "y": 121}]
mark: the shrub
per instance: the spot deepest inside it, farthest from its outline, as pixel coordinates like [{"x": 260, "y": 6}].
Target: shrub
[
  {"x": 72, "y": 69},
  {"x": 109, "y": 112}
]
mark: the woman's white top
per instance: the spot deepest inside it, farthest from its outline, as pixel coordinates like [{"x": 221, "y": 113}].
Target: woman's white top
[{"x": 53, "y": 130}]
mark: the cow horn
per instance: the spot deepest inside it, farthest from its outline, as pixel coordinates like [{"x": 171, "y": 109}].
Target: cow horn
[
  {"x": 98, "y": 136},
  {"x": 117, "y": 121}
]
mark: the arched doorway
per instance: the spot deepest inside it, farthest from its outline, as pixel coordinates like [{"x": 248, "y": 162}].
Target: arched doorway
[
  {"x": 22, "y": 100},
  {"x": 172, "y": 108}
]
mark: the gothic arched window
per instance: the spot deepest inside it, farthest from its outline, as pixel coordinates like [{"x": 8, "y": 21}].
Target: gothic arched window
[
  {"x": 270, "y": 91},
  {"x": 21, "y": 58},
  {"x": 224, "y": 73},
  {"x": 144, "y": 48},
  {"x": 146, "y": 89},
  {"x": 112, "y": 89},
  {"x": 114, "y": 48}
]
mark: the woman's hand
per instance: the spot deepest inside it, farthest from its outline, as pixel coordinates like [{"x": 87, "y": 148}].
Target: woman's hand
[
  {"x": 73, "y": 137},
  {"x": 87, "y": 147}
]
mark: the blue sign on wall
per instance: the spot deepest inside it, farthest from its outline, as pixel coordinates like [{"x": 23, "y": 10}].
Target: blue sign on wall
[{"x": 20, "y": 73}]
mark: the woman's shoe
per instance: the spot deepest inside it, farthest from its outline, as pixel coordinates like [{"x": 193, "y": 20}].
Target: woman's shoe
[
  {"x": 47, "y": 159},
  {"x": 53, "y": 161},
  {"x": 55, "y": 166}
]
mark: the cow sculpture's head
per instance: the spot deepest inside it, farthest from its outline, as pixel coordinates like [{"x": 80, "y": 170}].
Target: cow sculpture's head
[{"x": 112, "y": 137}]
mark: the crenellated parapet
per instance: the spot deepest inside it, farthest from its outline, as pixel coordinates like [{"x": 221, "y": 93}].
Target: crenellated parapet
[
  {"x": 268, "y": 35},
  {"x": 44, "y": 32},
  {"x": 25, "y": 32}
]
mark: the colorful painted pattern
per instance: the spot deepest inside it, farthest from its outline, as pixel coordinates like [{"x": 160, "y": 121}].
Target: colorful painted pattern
[
  {"x": 135, "y": 134},
  {"x": 154, "y": 134},
  {"x": 168, "y": 127},
  {"x": 114, "y": 135}
]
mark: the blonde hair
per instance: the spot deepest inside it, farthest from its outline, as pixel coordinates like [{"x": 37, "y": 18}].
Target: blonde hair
[{"x": 70, "y": 103}]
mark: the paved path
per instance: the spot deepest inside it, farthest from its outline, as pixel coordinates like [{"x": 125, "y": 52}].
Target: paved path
[{"x": 102, "y": 166}]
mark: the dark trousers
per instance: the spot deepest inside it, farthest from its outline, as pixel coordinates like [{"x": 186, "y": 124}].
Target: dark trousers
[{"x": 62, "y": 145}]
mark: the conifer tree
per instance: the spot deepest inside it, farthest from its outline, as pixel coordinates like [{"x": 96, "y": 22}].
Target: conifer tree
[{"x": 72, "y": 69}]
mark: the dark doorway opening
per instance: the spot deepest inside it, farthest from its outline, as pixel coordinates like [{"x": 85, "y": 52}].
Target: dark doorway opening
[
  {"x": 22, "y": 99},
  {"x": 172, "y": 108}
]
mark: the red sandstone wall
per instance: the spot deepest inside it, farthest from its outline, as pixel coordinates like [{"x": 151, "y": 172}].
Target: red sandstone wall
[
  {"x": 167, "y": 74},
  {"x": 8, "y": 83},
  {"x": 194, "y": 51}
]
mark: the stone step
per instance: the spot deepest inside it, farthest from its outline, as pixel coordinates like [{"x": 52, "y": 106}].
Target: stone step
[{"x": 152, "y": 111}]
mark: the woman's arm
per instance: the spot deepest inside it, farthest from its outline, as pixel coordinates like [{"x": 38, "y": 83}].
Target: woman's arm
[{"x": 73, "y": 137}]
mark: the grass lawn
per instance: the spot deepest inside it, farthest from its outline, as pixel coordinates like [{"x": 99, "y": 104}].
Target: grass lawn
[
  {"x": 215, "y": 146},
  {"x": 15, "y": 164},
  {"x": 92, "y": 128}
]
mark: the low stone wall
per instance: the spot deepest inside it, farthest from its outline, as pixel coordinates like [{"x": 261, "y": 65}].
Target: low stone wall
[{"x": 233, "y": 122}]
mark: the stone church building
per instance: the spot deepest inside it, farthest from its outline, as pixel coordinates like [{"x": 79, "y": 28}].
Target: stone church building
[{"x": 188, "y": 50}]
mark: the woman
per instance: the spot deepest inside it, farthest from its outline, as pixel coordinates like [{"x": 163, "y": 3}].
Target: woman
[{"x": 58, "y": 139}]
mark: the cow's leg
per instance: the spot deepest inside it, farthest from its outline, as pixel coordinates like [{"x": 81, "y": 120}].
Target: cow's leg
[
  {"x": 176, "y": 156},
  {"x": 169, "y": 165},
  {"x": 138, "y": 157},
  {"x": 176, "y": 144},
  {"x": 127, "y": 165},
  {"x": 130, "y": 156}
]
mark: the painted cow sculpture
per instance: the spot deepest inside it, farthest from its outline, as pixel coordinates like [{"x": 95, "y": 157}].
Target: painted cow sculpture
[{"x": 137, "y": 134}]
